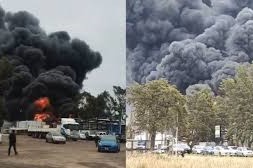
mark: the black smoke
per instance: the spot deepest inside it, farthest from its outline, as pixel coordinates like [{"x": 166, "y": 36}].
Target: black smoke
[
  {"x": 188, "y": 42},
  {"x": 45, "y": 65}
]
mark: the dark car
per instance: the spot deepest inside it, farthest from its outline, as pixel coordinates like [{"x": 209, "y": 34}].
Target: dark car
[{"x": 108, "y": 143}]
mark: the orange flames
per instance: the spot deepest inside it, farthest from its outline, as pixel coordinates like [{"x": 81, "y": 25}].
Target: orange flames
[
  {"x": 41, "y": 117},
  {"x": 41, "y": 104}
]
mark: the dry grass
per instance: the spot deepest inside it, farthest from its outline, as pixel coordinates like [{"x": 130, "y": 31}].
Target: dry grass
[{"x": 189, "y": 161}]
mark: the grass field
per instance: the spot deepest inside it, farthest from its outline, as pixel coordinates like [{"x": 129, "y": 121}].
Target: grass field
[{"x": 189, "y": 161}]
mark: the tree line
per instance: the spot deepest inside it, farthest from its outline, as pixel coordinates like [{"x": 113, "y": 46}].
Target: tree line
[
  {"x": 158, "y": 106},
  {"x": 103, "y": 105}
]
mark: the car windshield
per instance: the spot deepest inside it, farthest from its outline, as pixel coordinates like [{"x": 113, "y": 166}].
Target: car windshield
[
  {"x": 71, "y": 126},
  {"x": 108, "y": 138}
]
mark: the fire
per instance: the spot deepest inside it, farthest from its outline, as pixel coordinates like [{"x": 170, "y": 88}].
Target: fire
[
  {"x": 41, "y": 117},
  {"x": 42, "y": 104}
]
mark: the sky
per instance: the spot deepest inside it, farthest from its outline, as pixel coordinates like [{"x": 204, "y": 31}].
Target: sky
[{"x": 100, "y": 23}]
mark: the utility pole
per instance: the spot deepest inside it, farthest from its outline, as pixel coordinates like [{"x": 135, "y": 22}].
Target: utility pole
[{"x": 177, "y": 134}]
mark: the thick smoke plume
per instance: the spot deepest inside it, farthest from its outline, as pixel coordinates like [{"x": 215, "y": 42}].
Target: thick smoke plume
[
  {"x": 188, "y": 42},
  {"x": 45, "y": 65}
]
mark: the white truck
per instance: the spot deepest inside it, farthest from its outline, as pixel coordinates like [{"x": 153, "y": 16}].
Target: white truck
[
  {"x": 70, "y": 128},
  {"x": 36, "y": 129},
  {"x": 40, "y": 129}
]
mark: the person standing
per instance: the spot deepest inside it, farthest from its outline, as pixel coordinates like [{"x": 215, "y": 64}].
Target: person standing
[
  {"x": 12, "y": 142},
  {"x": 97, "y": 138},
  {"x": 87, "y": 135}
]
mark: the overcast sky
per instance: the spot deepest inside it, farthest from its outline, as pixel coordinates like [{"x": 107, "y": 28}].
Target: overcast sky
[{"x": 100, "y": 23}]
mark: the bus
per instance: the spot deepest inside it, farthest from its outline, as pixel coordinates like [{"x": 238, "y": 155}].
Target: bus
[{"x": 93, "y": 126}]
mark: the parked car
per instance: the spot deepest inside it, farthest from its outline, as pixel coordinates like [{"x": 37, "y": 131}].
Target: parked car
[
  {"x": 82, "y": 134},
  {"x": 55, "y": 137},
  {"x": 108, "y": 143},
  {"x": 101, "y": 133},
  {"x": 181, "y": 148},
  {"x": 232, "y": 150},
  {"x": 197, "y": 149},
  {"x": 163, "y": 149},
  {"x": 244, "y": 151},
  {"x": 208, "y": 150},
  {"x": 221, "y": 151},
  {"x": 74, "y": 135},
  {"x": 141, "y": 145}
]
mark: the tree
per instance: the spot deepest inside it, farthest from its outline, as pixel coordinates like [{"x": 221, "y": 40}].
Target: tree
[
  {"x": 156, "y": 105},
  {"x": 200, "y": 118},
  {"x": 237, "y": 97},
  {"x": 120, "y": 105},
  {"x": 101, "y": 106},
  {"x": 86, "y": 105}
]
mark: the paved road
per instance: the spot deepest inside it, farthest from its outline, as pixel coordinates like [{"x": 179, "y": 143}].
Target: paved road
[{"x": 36, "y": 153}]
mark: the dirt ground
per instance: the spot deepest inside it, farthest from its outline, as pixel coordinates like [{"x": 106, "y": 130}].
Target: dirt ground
[{"x": 36, "y": 153}]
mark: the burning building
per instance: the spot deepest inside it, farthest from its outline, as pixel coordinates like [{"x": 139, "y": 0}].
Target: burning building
[{"x": 48, "y": 69}]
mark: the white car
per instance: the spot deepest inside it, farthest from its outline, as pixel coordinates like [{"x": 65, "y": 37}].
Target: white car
[
  {"x": 141, "y": 145},
  {"x": 163, "y": 149},
  {"x": 244, "y": 151},
  {"x": 180, "y": 148},
  {"x": 232, "y": 150},
  {"x": 160, "y": 151},
  {"x": 0, "y": 138},
  {"x": 221, "y": 151},
  {"x": 101, "y": 133},
  {"x": 198, "y": 149},
  {"x": 82, "y": 134},
  {"x": 55, "y": 137}
]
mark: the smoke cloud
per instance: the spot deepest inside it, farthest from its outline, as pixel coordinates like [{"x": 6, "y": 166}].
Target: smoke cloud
[
  {"x": 188, "y": 42},
  {"x": 45, "y": 65}
]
